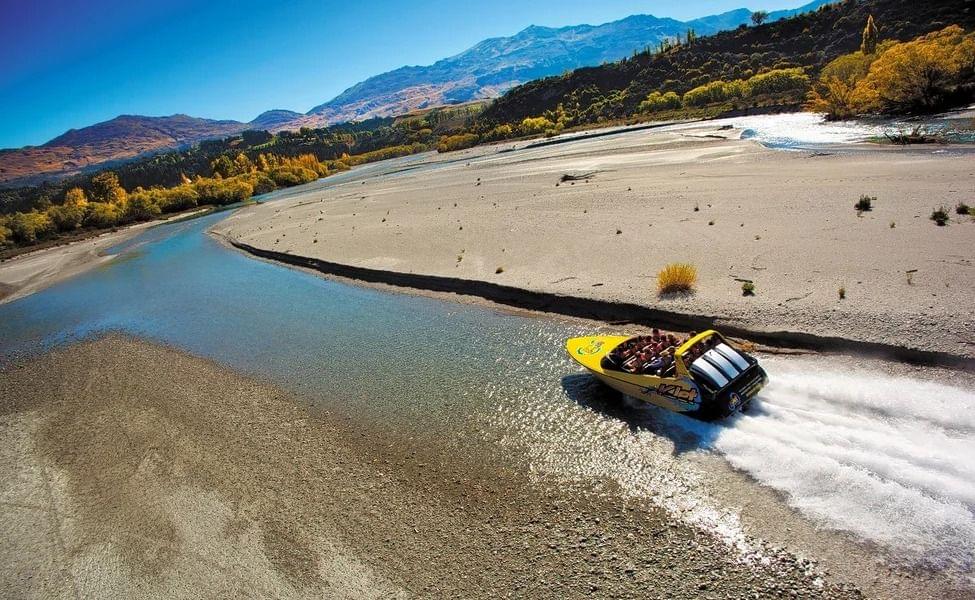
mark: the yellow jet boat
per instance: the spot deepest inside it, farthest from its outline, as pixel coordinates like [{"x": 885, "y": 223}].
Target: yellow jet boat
[{"x": 705, "y": 377}]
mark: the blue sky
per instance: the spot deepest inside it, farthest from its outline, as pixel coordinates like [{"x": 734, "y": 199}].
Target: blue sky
[{"x": 71, "y": 63}]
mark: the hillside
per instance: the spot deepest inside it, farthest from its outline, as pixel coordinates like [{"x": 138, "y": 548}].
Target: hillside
[
  {"x": 808, "y": 40},
  {"x": 121, "y": 138},
  {"x": 495, "y": 65}
]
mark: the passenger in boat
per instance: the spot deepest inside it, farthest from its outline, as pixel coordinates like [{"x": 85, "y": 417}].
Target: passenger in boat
[
  {"x": 654, "y": 366},
  {"x": 666, "y": 362},
  {"x": 632, "y": 364}
]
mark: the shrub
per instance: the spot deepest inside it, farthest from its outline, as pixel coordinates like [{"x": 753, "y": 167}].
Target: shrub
[
  {"x": 963, "y": 209},
  {"x": 262, "y": 183},
  {"x": 501, "y": 132},
  {"x": 67, "y": 217},
  {"x": 842, "y": 293},
  {"x": 657, "y": 102},
  {"x": 142, "y": 206},
  {"x": 535, "y": 125},
  {"x": 778, "y": 81},
  {"x": 677, "y": 278},
  {"x": 102, "y": 214},
  {"x": 715, "y": 91},
  {"x": 6, "y": 236},
  {"x": 27, "y": 228},
  {"x": 222, "y": 191},
  {"x": 461, "y": 141},
  {"x": 290, "y": 176},
  {"x": 177, "y": 198},
  {"x": 940, "y": 216},
  {"x": 865, "y": 203},
  {"x": 747, "y": 288}
]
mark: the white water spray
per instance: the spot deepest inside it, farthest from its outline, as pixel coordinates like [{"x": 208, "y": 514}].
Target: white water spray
[{"x": 891, "y": 460}]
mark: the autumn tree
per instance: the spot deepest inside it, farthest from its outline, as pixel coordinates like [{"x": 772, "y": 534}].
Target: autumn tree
[
  {"x": 923, "y": 75},
  {"x": 28, "y": 227},
  {"x": 6, "y": 236},
  {"x": 870, "y": 37},
  {"x": 102, "y": 214},
  {"x": 71, "y": 213},
  {"x": 835, "y": 91},
  {"x": 105, "y": 187}
]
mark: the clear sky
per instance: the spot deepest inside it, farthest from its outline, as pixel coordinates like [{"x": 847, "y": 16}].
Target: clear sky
[{"x": 71, "y": 63}]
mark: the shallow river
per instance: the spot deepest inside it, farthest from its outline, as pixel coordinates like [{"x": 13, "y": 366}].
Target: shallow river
[{"x": 886, "y": 459}]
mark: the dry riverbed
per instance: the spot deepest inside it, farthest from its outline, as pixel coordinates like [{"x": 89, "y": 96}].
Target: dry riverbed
[
  {"x": 141, "y": 471},
  {"x": 639, "y": 200}
]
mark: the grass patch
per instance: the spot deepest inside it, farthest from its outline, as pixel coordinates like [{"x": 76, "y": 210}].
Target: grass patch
[
  {"x": 677, "y": 278},
  {"x": 940, "y": 216},
  {"x": 865, "y": 203}
]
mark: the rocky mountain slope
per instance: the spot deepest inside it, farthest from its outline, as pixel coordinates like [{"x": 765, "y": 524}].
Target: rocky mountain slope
[{"x": 493, "y": 66}]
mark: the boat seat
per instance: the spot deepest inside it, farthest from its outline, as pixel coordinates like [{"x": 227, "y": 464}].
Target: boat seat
[{"x": 610, "y": 361}]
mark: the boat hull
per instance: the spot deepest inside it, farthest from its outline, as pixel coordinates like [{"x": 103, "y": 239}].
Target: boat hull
[{"x": 679, "y": 394}]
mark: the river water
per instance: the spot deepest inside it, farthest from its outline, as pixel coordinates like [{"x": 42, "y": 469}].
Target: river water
[{"x": 884, "y": 458}]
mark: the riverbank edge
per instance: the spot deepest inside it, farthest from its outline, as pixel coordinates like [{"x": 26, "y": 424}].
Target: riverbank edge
[{"x": 608, "y": 311}]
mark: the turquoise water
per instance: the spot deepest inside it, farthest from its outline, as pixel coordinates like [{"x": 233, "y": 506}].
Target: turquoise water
[{"x": 345, "y": 348}]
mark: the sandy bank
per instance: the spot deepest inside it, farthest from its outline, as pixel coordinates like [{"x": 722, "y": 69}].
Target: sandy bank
[
  {"x": 784, "y": 220},
  {"x": 141, "y": 471}
]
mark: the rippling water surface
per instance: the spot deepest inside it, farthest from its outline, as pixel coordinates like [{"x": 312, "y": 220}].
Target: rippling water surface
[{"x": 889, "y": 460}]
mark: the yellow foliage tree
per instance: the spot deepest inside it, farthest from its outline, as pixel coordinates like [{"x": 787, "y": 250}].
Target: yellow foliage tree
[{"x": 921, "y": 75}]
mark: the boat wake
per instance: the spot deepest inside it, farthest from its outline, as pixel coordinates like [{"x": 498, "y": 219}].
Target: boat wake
[{"x": 891, "y": 460}]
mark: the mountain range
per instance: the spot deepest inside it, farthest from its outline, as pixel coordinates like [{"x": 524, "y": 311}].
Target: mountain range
[{"x": 484, "y": 71}]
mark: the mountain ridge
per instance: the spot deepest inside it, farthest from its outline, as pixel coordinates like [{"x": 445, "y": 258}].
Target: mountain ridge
[{"x": 485, "y": 70}]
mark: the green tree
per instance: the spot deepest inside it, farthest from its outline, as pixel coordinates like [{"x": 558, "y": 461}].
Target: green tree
[
  {"x": 223, "y": 166},
  {"x": 759, "y": 17},
  {"x": 870, "y": 37}
]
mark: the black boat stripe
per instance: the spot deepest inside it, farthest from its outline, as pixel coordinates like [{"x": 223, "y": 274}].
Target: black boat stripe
[{"x": 720, "y": 369}]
